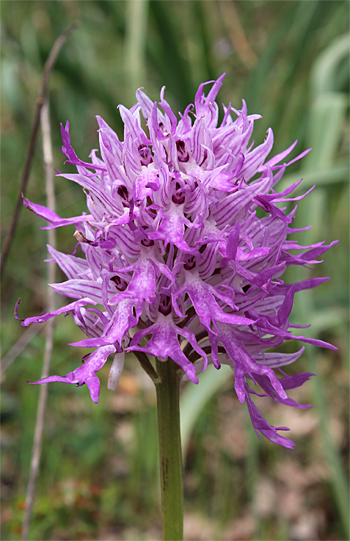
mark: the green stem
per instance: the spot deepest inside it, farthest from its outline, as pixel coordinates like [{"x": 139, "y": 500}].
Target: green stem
[{"x": 170, "y": 456}]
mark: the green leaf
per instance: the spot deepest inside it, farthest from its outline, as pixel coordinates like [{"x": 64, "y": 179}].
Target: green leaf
[
  {"x": 320, "y": 177},
  {"x": 135, "y": 45},
  {"x": 195, "y": 397},
  {"x": 325, "y": 128},
  {"x": 323, "y": 74}
]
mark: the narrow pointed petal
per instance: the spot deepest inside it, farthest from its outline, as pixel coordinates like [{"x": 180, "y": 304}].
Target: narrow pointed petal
[
  {"x": 85, "y": 373},
  {"x": 116, "y": 371}
]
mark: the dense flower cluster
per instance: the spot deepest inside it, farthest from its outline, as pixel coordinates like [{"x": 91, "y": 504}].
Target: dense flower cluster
[{"x": 173, "y": 246}]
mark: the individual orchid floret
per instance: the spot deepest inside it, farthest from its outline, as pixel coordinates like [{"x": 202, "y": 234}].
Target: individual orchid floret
[
  {"x": 86, "y": 373},
  {"x": 164, "y": 343},
  {"x": 172, "y": 258}
]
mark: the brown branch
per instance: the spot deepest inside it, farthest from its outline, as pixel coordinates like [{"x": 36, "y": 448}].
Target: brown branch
[
  {"x": 30, "y": 153},
  {"x": 40, "y": 416},
  {"x": 18, "y": 347},
  {"x": 236, "y": 34}
]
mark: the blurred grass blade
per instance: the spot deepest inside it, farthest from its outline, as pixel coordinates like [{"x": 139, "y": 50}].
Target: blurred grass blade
[
  {"x": 253, "y": 92},
  {"x": 135, "y": 43},
  {"x": 320, "y": 177},
  {"x": 327, "y": 117},
  {"x": 323, "y": 75},
  {"x": 293, "y": 35},
  {"x": 173, "y": 68},
  {"x": 323, "y": 320},
  {"x": 208, "y": 68},
  {"x": 195, "y": 397}
]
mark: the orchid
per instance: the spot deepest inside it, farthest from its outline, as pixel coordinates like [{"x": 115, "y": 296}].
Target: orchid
[{"x": 174, "y": 250}]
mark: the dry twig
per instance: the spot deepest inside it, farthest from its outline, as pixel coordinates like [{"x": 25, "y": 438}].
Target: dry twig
[
  {"x": 236, "y": 34},
  {"x": 18, "y": 347},
  {"x": 30, "y": 153},
  {"x": 40, "y": 416}
]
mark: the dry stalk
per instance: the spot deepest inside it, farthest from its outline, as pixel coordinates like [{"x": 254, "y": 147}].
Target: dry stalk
[
  {"x": 30, "y": 153},
  {"x": 40, "y": 416},
  {"x": 18, "y": 347},
  {"x": 236, "y": 34}
]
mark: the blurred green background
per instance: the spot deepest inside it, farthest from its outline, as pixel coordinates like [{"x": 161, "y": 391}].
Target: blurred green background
[{"x": 99, "y": 471}]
